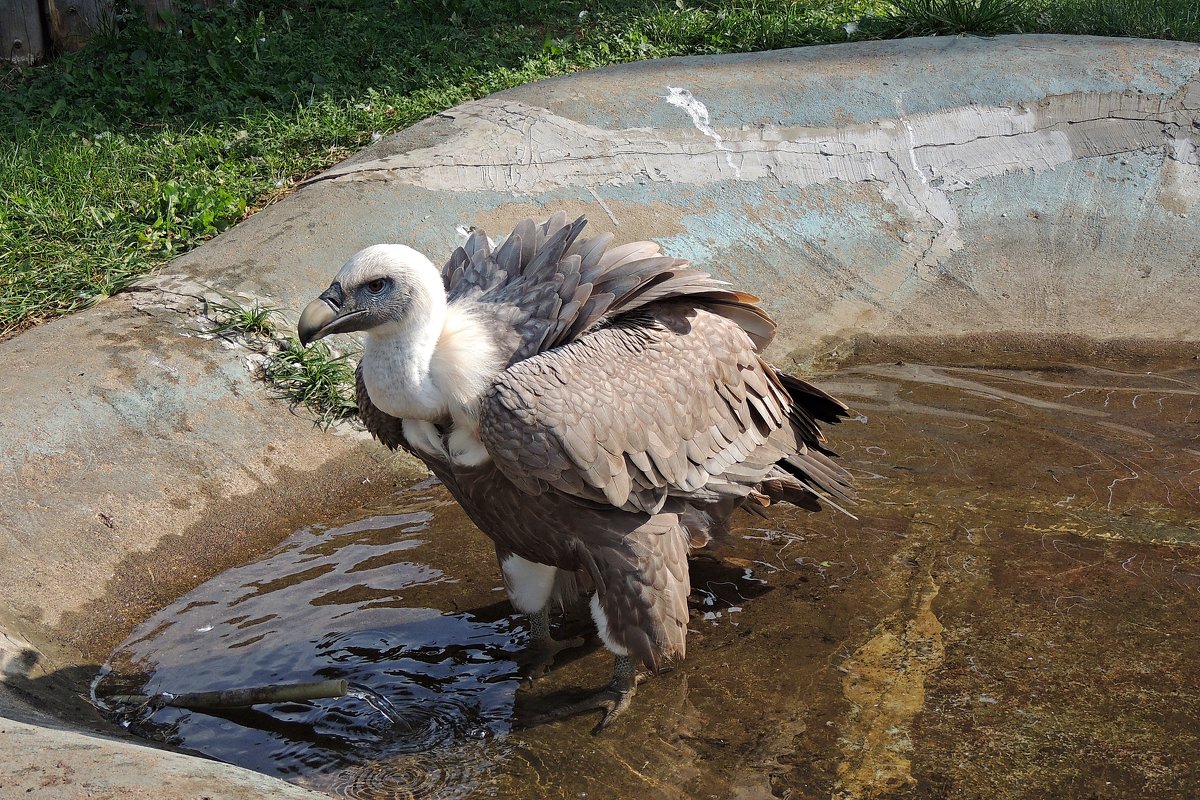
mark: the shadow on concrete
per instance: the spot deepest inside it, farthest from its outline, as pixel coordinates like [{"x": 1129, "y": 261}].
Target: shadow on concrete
[{"x": 58, "y": 697}]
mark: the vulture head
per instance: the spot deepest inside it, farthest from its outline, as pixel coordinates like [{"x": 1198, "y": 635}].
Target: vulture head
[{"x": 385, "y": 288}]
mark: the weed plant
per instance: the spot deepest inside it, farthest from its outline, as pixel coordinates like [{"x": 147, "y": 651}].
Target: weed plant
[
  {"x": 254, "y": 321},
  {"x": 315, "y": 377}
]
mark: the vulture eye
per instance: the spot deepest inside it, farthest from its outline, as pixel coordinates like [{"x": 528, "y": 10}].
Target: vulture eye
[{"x": 376, "y": 286}]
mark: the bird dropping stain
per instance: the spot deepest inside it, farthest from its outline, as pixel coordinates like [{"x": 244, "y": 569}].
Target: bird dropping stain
[{"x": 682, "y": 98}]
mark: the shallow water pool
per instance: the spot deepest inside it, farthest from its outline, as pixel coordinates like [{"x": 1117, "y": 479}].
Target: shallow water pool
[{"x": 1013, "y": 614}]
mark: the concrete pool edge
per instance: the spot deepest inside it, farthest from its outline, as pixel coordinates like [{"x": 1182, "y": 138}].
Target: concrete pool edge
[{"x": 123, "y": 428}]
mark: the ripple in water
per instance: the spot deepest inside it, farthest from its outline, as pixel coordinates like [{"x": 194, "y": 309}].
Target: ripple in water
[
  {"x": 378, "y": 702},
  {"x": 432, "y": 750},
  {"x": 444, "y": 775},
  {"x": 428, "y": 690}
]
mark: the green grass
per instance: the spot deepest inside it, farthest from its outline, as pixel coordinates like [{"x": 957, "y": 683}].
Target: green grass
[
  {"x": 1149, "y": 19},
  {"x": 253, "y": 322},
  {"x": 319, "y": 378},
  {"x": 144, "y": 144},
  {"x": 943, "y": 17},
  {"x": 121, "y": 156},
  {"x": 315, "y": 377}
]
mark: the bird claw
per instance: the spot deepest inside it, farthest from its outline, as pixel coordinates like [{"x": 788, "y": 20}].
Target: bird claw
[
  {"x": 613, "y": 700},
  {"x": 613, "y": 703},
  {"x": 539, "y": 657}
]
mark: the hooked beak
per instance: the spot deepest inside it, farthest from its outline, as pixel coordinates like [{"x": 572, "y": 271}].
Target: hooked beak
[{"x": 326, "y": 315}]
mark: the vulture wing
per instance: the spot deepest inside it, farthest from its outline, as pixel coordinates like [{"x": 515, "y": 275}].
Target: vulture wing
[
  {"x": 546, "y": 286},
  {"x": 633, "y": 379},
  {"x": 667, "y": 402}
]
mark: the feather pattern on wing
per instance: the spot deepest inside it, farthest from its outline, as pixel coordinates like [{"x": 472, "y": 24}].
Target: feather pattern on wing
[
  {"x": 669, "y": 403},
  {"x": 549, "y": 286}
]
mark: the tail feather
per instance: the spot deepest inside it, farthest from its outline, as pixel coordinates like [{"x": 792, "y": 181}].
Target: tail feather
[
  {"x": 819, "y": 404},
  {"x": 819, "y": 471}
]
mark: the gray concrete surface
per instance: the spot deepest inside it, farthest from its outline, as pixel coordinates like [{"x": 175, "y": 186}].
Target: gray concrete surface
[
  {"x": 51, "y": 764},
  {"x": 1037, "y": 187}
]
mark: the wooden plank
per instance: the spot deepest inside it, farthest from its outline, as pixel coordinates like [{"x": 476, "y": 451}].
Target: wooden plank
[
  {"x": 73, "y": 22},
  {"x": 22, "y": 36}
]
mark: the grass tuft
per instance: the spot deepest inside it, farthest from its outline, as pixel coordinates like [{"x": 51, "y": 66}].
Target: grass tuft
[
  {"x": 256, "y": 320},
  {"x": 957, "y": 17},
  {"x": 315, "y": 377}
]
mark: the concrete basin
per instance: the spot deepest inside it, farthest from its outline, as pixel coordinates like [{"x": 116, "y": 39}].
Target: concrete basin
[{"x": 1031, "y": 195}]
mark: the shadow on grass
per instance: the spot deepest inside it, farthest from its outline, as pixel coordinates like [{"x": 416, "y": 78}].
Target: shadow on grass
[{"x": 272, "y": 56}]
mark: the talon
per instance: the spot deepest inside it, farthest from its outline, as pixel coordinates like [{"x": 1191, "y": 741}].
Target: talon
[
  {"x": 612, "y": 709},
  {"x": 613, "y": 699}
]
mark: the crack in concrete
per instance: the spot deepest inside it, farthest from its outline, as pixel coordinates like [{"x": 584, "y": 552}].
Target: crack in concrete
[
  {"x": 535, "y": 151},
  {"x": 544, "y": 145}
]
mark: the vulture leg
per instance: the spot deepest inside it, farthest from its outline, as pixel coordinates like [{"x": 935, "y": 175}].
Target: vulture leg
[
  {"x": 532, "y": 587},
  {"x": 648, "y": 586},
  {"x": 613, "y": 699},
  {"x": 543, "y": 648}
]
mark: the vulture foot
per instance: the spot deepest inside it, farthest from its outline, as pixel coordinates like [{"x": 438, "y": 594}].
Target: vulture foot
[
  {"x": 613, "y": 699},
  {"x": 543, "y": 649}
]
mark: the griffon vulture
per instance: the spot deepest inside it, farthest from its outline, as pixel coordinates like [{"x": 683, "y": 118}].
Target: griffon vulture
[{"x": 596, "y": 409}]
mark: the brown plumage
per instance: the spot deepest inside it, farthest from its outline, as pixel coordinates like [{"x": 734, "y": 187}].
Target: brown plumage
[{"x": 625, "y": 415}]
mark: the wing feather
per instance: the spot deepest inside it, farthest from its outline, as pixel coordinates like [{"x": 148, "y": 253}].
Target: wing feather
[
  {"x": 670, "y": 403},
  {"x": 633, "y": 378},
  {"x": 592, "y": 250},
  {"x": 549, "y": 286}
]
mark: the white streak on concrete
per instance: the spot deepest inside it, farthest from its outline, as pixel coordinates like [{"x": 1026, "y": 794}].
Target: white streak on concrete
[
  {"x": 159, "y": 364},
  {"x": 682, "y": 98},
  {"x": 912, "y": 138},
  {"x": 959, "y": 146},
  {"x": 604, "y": 205},
  {"x": 912, "y": 150}
]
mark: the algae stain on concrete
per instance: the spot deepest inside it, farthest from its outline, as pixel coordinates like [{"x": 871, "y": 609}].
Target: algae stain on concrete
[{"x": 885, "y": 684}]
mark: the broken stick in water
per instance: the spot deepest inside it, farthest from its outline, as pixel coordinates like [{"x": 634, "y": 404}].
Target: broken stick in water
[{"x": 238, "y": 698}]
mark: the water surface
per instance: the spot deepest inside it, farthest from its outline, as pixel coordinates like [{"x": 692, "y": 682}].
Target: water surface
[{"x": 1013, "y": 614}]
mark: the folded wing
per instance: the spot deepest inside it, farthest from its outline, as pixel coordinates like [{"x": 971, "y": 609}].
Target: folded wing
[{"x": 671, "y": 402}]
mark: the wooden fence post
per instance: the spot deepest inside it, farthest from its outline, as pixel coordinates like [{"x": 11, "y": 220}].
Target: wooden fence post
[
  {"x": 22, "y": 37},
  {"x": 153, "y": 10},
  {"x": 31, "y": 30},
  {"x": 73, "y": 22}
]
